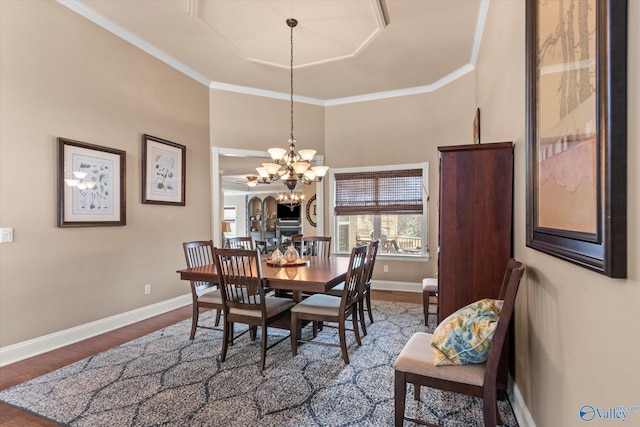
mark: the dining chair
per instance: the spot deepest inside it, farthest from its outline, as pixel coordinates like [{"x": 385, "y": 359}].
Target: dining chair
[
  {"x": 296, "y": 242},
  {"x": 273, "y": 243},
  {"x": 244, "y": 299},
  {"x": 415, "y": 364},
  {"x": 316, "y": 246},
  {"x": 241, "y": 242},
  {"x": 320, "y": 308},
  {"x": 364, "y": 297},
  {"x": 429, "y": 294},
  {"x": 365, "y": 294},
  {"x": 203, "y": 294}
]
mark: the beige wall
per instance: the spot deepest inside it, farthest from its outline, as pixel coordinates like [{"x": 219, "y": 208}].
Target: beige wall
[
  {"x": 403, "y": 130},
  {"x": 257, "y": 123},
  {"x": 576, "y": 334},
  {"x": 63, "y": 76}
]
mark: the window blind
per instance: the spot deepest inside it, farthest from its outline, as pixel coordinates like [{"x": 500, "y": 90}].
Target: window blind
[{"x": 379, "y": 192}]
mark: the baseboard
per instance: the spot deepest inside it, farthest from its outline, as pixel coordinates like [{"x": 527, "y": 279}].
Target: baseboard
[
  {"x": 520, "y": 410},
  {"x": 382, "y": 285},
  {"x": 24, "y": 350}
]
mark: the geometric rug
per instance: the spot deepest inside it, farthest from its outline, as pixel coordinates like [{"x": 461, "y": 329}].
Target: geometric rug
[{"x": 164, "y": 379}]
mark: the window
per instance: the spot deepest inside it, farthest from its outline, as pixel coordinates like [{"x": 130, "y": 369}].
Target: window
[{"x": 387, "y": 203}]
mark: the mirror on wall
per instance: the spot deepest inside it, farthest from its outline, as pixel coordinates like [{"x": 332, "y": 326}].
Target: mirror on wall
[{"x": 230, "y": 168}]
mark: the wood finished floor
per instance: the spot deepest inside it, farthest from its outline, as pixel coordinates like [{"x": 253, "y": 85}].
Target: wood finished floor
[{"x": 25, "y": 370}]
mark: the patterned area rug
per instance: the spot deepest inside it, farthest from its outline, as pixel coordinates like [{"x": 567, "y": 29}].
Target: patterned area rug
[{"x": 163, "y": 379}]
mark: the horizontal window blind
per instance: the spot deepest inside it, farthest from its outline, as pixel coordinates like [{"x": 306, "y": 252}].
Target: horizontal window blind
[{"x": 379, "y": 192}]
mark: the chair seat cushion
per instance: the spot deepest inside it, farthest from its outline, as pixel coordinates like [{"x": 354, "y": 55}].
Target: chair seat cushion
[
  {"x": 429, "y": 285},
  {"x": 322, "y": 304},
  {"x": 213, "y": 297},
  {"x": 274, "y": 305},
  {"x": 416, "y": 358},
  {"x": 465, "y": 336}
]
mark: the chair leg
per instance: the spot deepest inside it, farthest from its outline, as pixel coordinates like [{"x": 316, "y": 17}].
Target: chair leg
[
  {"x": 218, "y": 312},
  {"x": 369, "y": 305},
  {"x": 354, "y": 320},
  {"x": 490, "y": 409},
  {"x": 425, "y": 307},
  {"x": 227, "y": 336},
  {"x": 399, "y": 398},
  {"x": 361, "y": 311},
  {"x": 294, "y": 333},
  {"x": 264, "y": 343},
  {"x": 343, "y": 341},
  {"x": 194, "y": 320},
  {"x": 416, "y": 392}
]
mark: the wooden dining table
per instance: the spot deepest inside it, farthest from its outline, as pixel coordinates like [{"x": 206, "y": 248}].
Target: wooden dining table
[{"x": 318, "y": 275}]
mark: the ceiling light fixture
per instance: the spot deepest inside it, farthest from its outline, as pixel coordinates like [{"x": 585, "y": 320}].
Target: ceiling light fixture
[{"x": 290, "y": 166}]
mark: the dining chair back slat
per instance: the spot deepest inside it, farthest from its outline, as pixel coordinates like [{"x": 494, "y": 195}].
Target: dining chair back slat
[
  {"x": 240, "y": 242},
  {"x": 203, "y": 294},
  {"x": 241, "y": 274},
  {"x": 319, "y": 246}
]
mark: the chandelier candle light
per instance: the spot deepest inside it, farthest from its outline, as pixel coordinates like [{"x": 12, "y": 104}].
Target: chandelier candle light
[{"x": 290, "y": 166}]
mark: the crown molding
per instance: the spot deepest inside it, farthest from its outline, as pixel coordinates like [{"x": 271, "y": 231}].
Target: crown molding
[{"x": 128, "y": 36}]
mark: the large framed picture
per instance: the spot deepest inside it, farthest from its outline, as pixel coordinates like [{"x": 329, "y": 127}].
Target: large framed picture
[
  {"x": 163, "y": 171},
  {"x": 91, "y": 185},
  {"x": 576, "y": 132}
]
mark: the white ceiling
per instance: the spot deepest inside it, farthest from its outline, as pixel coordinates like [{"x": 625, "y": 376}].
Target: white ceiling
[{"x": 344, "y": 50}]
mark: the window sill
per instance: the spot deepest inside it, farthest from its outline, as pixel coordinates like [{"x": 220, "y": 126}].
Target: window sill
[{"x": 393, "y": 256}]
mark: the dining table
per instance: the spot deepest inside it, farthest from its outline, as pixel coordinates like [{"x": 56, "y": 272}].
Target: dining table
[{"x": 310, "y": 274}]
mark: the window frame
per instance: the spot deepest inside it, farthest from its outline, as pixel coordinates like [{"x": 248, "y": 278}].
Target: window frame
[{"x": 424, "y": 224}]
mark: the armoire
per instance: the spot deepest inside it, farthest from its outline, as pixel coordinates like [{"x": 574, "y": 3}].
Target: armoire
[{"x": 475, "y": 224}]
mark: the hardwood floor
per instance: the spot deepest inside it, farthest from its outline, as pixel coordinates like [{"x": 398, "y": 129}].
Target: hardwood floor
[{"x": 25, "y": 370}]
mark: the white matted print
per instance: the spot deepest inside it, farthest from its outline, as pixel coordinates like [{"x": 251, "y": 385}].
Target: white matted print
[
  {"x": 163, "y": 171},
  {"x": 91, "y": 185}
]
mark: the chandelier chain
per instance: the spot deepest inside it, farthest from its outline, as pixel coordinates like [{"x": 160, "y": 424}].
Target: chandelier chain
[{"x": 291, "y": 72}]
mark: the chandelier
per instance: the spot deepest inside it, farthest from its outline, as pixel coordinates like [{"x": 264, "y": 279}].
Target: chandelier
[
  {"x": 289, "y": 166},
  {"x": 291, "y": 198}
]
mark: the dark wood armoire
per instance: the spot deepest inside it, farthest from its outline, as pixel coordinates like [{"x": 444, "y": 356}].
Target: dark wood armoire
[{"x": 475, "y": 224}]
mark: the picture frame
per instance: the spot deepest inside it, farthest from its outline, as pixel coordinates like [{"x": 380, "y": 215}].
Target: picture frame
[
  {"x": 163, "y": 171},
  {"x": 476, "y": 127},
  {"x": 90, "y": 184},
  {"x": 576, "y": 133}
]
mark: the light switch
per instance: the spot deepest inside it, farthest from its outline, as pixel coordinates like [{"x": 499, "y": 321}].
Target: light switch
[{"x": 6, "y": 234}]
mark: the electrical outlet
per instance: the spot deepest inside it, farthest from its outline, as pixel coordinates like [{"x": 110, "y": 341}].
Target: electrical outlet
[
  {"x": 147, "y": 289},
  {"x": 386, "y": 268},
  {"x": 6, "y": 235}
]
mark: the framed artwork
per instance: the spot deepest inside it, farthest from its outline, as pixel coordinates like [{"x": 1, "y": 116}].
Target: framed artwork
[
  {"x": 576, "y": 132},
  {"x": 476, "y": 127},
  {"x": 163, "y": 171},
  {"x": 91, "y": 185},
  {"x": 312, "y": 215}
]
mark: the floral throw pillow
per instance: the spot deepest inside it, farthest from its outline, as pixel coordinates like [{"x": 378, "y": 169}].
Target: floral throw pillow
[{"x": 465, "y": 336}]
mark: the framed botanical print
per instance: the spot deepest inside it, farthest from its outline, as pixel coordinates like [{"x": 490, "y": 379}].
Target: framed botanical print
[
  {"x": 91, "y": 185},
  {"x": 163, "y": 171},
  {"x": 476, "y": 127},
  {"x": 576, "y": 132}
]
